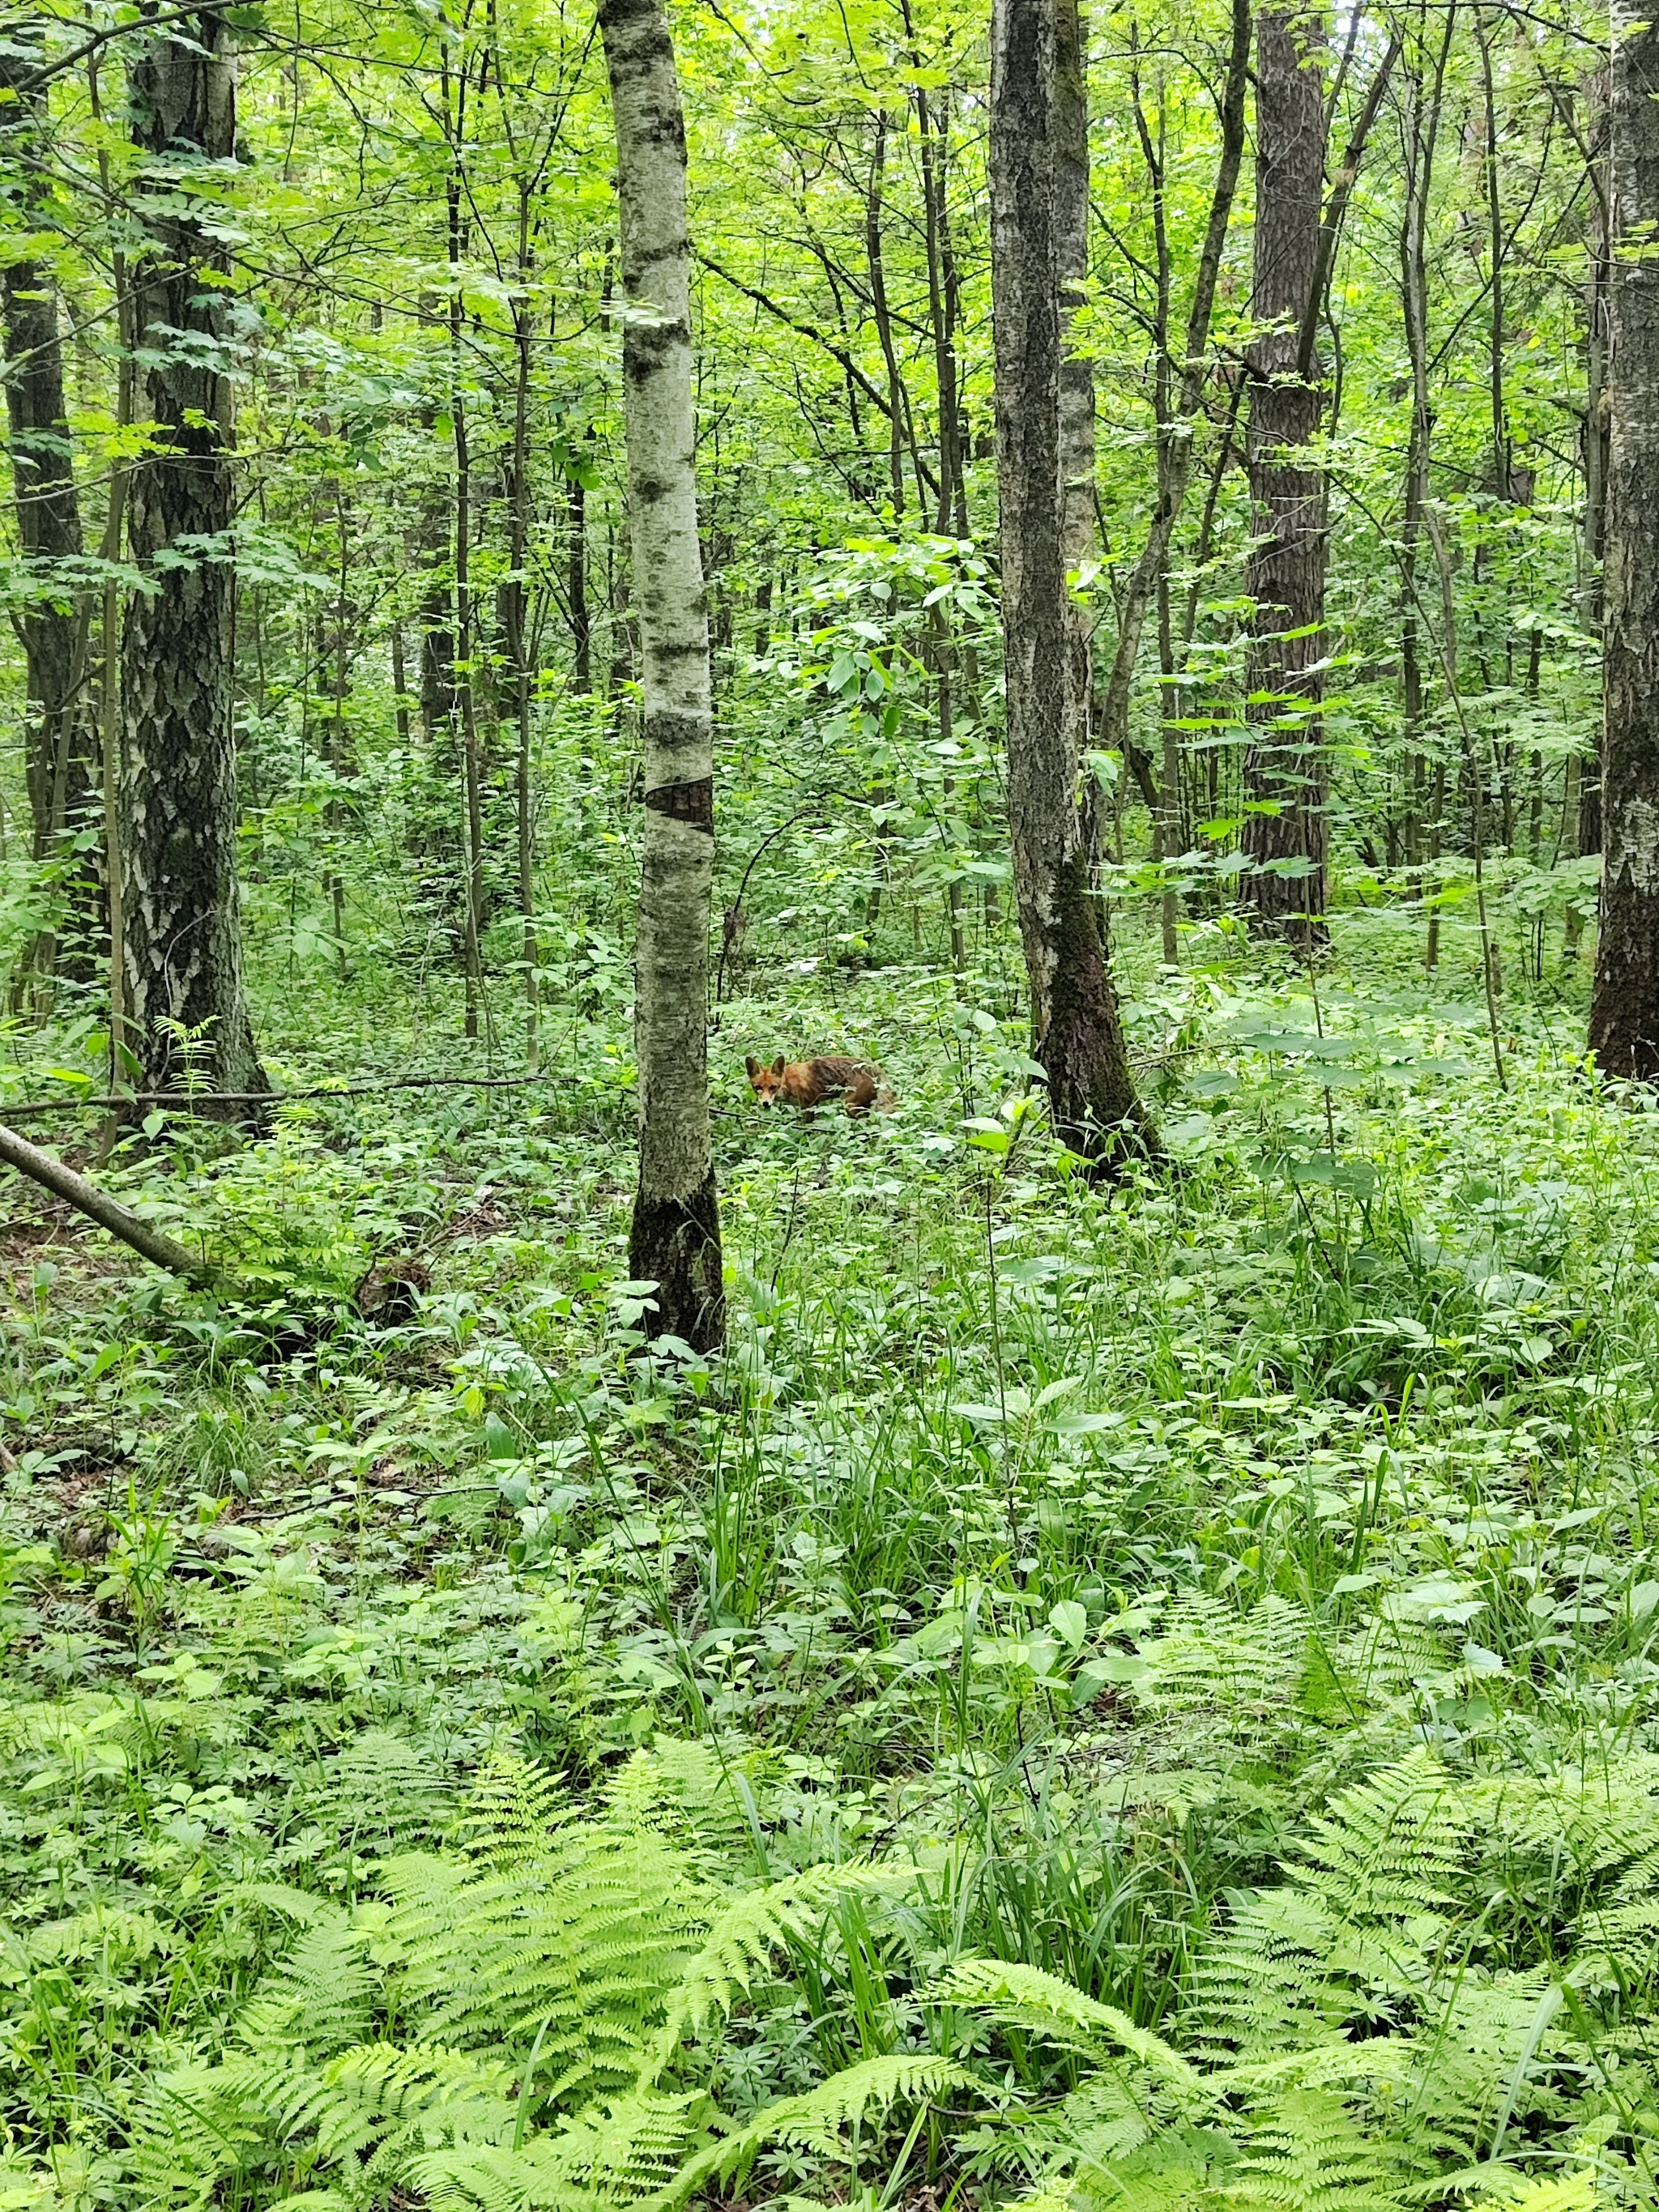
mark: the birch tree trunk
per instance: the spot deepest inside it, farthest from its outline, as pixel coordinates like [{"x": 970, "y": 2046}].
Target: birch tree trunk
[
  {"x": 1038, "y": 170},
  {"x": 178, "y": 796},
  {"x": 1283, "y": 769},
  {"x": 1624, "y": 1026},
  {"x": 675, "y": 1237}
]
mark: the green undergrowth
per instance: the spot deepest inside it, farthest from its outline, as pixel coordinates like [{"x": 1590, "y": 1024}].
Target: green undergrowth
[{"x": 1131, "y": 1699}]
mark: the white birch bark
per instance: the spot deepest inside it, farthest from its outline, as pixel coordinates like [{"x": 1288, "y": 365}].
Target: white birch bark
[{"x": 676, "y": 1233}]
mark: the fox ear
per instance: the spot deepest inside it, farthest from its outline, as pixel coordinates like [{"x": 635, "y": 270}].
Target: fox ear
[
  {"x": 752, "y": 1065},
  {"x": 778, "y": 1064}
]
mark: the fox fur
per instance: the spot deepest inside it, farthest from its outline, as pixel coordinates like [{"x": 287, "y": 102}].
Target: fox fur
[{"x": 806, "y": 1085}]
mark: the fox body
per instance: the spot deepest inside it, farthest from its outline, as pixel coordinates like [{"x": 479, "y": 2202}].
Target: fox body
[{"x": 806, "y": 1084}]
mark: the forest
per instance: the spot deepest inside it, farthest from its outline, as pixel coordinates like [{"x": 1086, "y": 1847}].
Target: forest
[{"x": 829, "y": 955}]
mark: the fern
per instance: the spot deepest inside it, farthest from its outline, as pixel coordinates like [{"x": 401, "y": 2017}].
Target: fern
[
  {"x": 1395, "y": 1846},
  {"x": 514, "y": 1812},
  {"x": 1182, "y": 2170},
  {"x": 627, "y": 2150},
  {"x": 1024, "y": 1996},
  {"x": 737, "y": 1942},
  {"x": 687, "y": 1793},
  {"x": 1573, "y": 2192},
  {"x": 588, "y": 1951},
  {"x": 1213, "y": 1659},
  {"x": 315, "y": 1999},
  {"x": 1308, "y": 2154},
  {"x": 818, "y": 2119},
  {"x": 578, "y": 1946},
  {"x": 381, "y": 1787}
]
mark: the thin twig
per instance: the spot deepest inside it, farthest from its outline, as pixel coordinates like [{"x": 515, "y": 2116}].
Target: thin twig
[{"x": 279, "y": 1097}]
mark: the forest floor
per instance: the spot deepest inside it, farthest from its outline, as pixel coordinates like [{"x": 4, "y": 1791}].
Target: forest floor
[{"x": 1147, "y": 1694}]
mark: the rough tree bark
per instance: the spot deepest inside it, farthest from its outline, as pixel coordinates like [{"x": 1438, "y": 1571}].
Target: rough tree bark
[
  {"x": 187, "y": 1012},
  {"x": 1584, "y": 815},
  {"x": 57, "y": 746},
  {"x": 1038, "y": 169},
  {"x": 1623, "y": 1025},
  {"x": 675, "y": 1237},
  {"x": 1284, "y": 768}
]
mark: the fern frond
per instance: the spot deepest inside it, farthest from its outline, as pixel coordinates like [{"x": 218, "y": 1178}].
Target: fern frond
[
  {"x": 1180, "y": 2170},
  {"x": 687, "y": 1793},
  {"x": 742, "y": 1937},
  {"x": 1395, "y": 1845},
  {"x": 582, "y": 1946},
  {"x": 1388, "y": 1660},
  {"x": 195, "y": 2127},
  {"x": 515, "y": 1810},
  {"x": 1099, "y": 2123},
  {"x": 628, "y": 2151},
  {"x": 315, "y": 1997},
  {"x": 303, "y": 1906},
  {"x": 1293, "y": 1974},
  {"x": 380, "y": 2091},
  {"x": 1605, "y": 1817},
  {"x": 1308, "y": 2154},
  {"x": 1249, "y": 1665},
  {"x": 815, "y": 2120},
  {"x": 382, "y": 1785},
  {"x": 1571, "y": 2192},
  {"x": 1026, "y": 1996}
]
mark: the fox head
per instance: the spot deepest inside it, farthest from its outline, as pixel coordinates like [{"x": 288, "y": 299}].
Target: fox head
[{"x": 765, "y": 1082}]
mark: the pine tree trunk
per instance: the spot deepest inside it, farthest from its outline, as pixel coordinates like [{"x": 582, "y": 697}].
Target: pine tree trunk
[
  {"x": 57, "y": 751},
  {"x": 1624, "y": 1027},
  {"x": 1283, "y": 769},
  {"x": 676, "y": 1239},
  {"x": 1038, "y": 167},
  {"x": 178, "y": 799}
]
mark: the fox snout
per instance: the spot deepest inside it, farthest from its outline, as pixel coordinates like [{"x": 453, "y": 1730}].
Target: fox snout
[{"x": 765, "y": 1082}]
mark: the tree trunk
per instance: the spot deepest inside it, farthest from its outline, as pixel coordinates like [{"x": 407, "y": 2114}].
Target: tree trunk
[
  {"x": 178, "y": 803},
  {"x": 1624, "y": 1026},
  {"x": 57, "y": 746},
  {"x": 514, "y": 600},
  {"x": 1284, "y": 830},
  {"x": 1176, "y": 446},
  {"x": 897, "y": 403},
  {"x": 1586, "y": 810},
  {"x": 1038, "y": 166},
  {"x": 465, "y": 638},
  {"x": 581, "y": 647},
  {"x": 1420, "y": 132},
  {"x": 676, "y": 1239}
]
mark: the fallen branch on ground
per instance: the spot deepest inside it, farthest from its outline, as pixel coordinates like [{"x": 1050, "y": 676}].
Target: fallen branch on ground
[{"x": 153, "y": 1244}]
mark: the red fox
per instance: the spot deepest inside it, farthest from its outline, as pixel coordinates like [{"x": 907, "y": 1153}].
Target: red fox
[{"x": 806, "y": 1084}]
